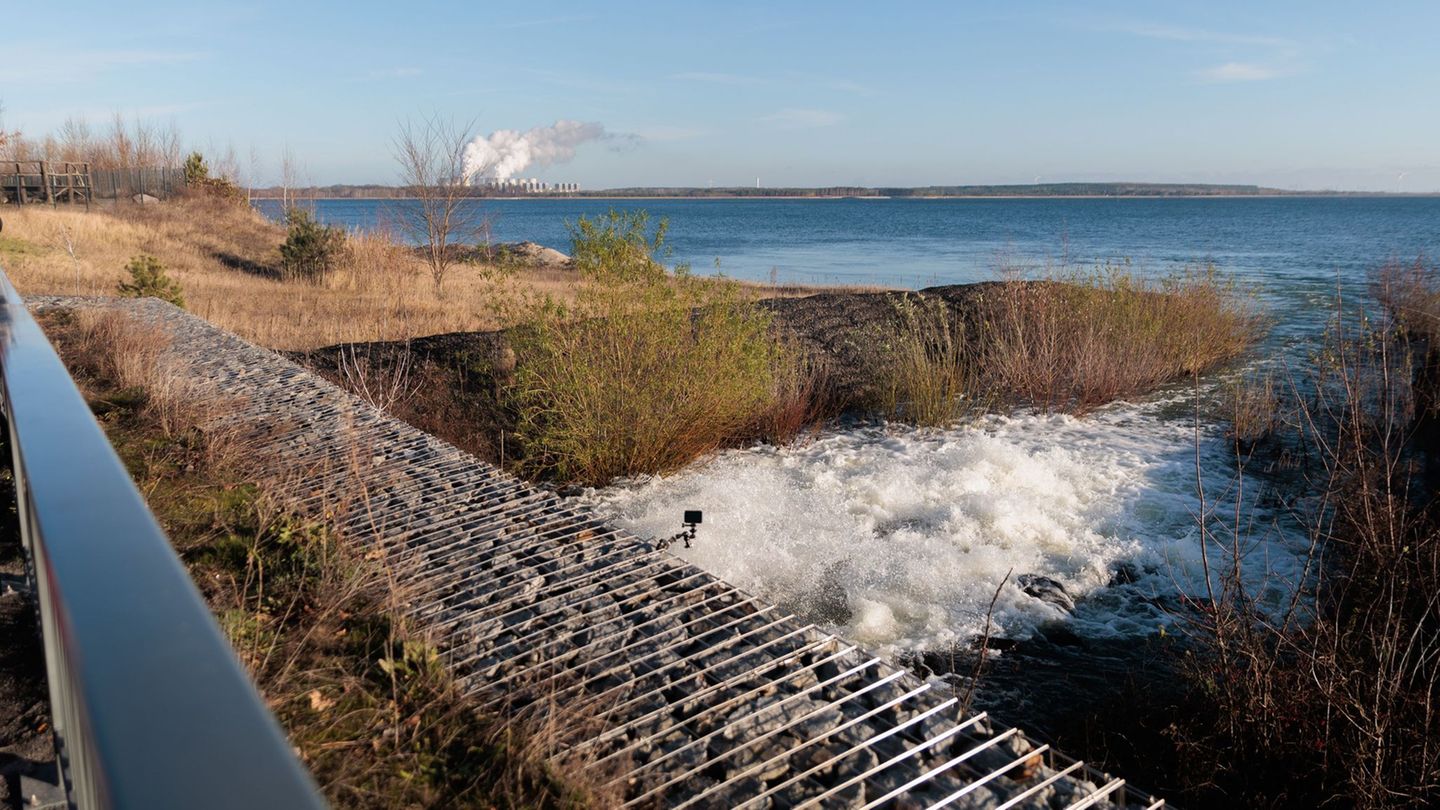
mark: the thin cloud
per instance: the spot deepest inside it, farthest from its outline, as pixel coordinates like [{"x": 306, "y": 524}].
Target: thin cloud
[
  {"x": 668, "y": 133},
  {"x": 847, "y": 86},
  {"x": 802, "y": 118},
  {"x": 1241, "y": 72},
  {"x": 545, "y": 21},
  {"x": 42, "y": 67},
  {"x": 716, "y": 78},
  {"x": 838, "y": 84},
  {"x": 1175, "y": 33},
  {"x": 793, "y": 78},
  {"x": 590, "y": 83},
  {"x": 1249, "y": 57},
  {"x": 396, "y": 73}
]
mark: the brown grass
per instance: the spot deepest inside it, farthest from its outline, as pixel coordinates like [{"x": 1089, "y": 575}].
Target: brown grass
[
  {"x": 1068, "y": 343},
  {"x": 226, "y": 257},
  {"x": 1075, "y": 341}
]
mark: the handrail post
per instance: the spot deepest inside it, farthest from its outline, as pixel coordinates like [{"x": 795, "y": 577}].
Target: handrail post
[{"x": 151, "y": 707}]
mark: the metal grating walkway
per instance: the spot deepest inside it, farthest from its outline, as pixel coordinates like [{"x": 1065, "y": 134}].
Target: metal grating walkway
[{"x": 682, "y": 688}]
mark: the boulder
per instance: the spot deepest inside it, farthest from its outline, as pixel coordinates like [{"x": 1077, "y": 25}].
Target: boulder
[
  {"x": 145, "y": 199},
  {"x": 529, "y": 254},
  {"x": 1047, "y": 590}
]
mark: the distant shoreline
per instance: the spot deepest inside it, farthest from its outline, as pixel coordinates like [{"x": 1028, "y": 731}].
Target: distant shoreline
[
  {"x": 958, "y": 191},
  {"x": 816, "y": 197}
]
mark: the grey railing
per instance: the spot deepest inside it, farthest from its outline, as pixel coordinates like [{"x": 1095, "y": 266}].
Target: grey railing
[{"x": 150, "y": 707}]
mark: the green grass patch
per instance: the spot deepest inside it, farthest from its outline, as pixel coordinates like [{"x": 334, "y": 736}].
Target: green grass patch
[{"x": 14, "y": 246}]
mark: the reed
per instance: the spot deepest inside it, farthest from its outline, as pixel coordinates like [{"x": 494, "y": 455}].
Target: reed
[{"x": 1076, "y": 340}]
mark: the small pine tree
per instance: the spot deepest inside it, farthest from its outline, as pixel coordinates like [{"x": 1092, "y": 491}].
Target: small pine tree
[
  {"x": 311, "y": 249},
  {"x": 148, "y": 280},
  {"x": 197, "y": 171}
]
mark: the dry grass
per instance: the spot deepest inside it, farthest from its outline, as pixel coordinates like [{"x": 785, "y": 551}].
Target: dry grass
[
  {"x": 1067, "y": 343},
  {"x": 226, "y": 258},
  {"x": 1075, "y": 341},
  {"x": 134, "y": 357}
]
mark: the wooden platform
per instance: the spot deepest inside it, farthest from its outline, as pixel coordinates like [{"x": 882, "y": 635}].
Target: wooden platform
[{"x": 44, "y": 181}]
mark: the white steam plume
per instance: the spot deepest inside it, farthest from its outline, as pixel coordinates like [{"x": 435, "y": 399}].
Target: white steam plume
[{"x": 506, "y": 152}]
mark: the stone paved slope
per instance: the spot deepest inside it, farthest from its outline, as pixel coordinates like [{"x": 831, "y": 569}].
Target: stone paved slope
[{"x": 690, "y": 691}]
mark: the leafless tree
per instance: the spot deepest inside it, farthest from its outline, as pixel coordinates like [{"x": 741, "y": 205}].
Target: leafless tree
[
  {"x": 64, "y": 238},
  {"x": 254, "y": 175},
  {"x": 431, "y": 155},
  {"x": 289, "y": 179},
  {"x": 77, "y": 141},
  {"x": 225, "y": 163}
]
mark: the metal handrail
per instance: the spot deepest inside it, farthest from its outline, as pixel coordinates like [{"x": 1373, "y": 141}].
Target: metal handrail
[{"x": 150, "y": 706}]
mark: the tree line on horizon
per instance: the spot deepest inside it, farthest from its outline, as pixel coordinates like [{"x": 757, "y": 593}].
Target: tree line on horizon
[{"x": 378, "y": 190}]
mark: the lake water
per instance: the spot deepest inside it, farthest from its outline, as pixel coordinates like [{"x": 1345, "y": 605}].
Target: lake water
[
  {"x": 900, "y": 537},
  {"x": 1284, "y": 241}
]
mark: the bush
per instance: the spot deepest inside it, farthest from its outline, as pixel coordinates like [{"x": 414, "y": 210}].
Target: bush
[
  {"x": 199, "y": 181},
  {"x": 1076, "y": 341},
  {"x": 1334, "y": 700},
  {"x": 1067, "y": 343},
  {"x": 311, "y": 250},
  {"x": 645, "y": 370},
  {"x": 197, "y": 171},
  {"x": 148, "y": 280},
  {"x": 927, "y": 375}
]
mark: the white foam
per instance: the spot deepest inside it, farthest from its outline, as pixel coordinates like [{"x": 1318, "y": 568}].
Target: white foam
[{"x": 899, "y": 537}]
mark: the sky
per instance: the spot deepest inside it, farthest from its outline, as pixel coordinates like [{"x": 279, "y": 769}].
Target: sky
[{"x": 1312, "y": 95}]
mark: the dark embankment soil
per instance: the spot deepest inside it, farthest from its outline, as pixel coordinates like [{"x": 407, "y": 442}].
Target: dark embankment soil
[{"x": 453, "y": 381}]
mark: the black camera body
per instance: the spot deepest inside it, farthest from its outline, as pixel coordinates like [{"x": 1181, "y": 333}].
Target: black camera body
[{"x": 692, "y": 519}]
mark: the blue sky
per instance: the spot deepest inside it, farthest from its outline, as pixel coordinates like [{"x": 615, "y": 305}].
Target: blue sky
[{"x": 1293, "y": 94}]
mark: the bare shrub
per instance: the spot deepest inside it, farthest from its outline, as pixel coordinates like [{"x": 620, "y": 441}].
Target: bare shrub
[
  {"x": 1252, "y": 406},
  {"x": 383, "y": 385},
  {"x": 801, "y": 400},
  {"x": 431, "y": 155},
  {"x": 1332, "y": 697},
  {"x": 1410, "y": 296}
]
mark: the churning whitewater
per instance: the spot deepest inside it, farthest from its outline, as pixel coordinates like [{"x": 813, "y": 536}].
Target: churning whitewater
[{"x": 900, "y": 537}]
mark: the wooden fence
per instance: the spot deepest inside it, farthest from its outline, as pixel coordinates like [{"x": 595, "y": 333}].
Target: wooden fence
[{"x": 53, "y": 182}]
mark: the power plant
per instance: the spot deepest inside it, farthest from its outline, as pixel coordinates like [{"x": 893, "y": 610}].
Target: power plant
[{"x": 530, "y": 185}]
